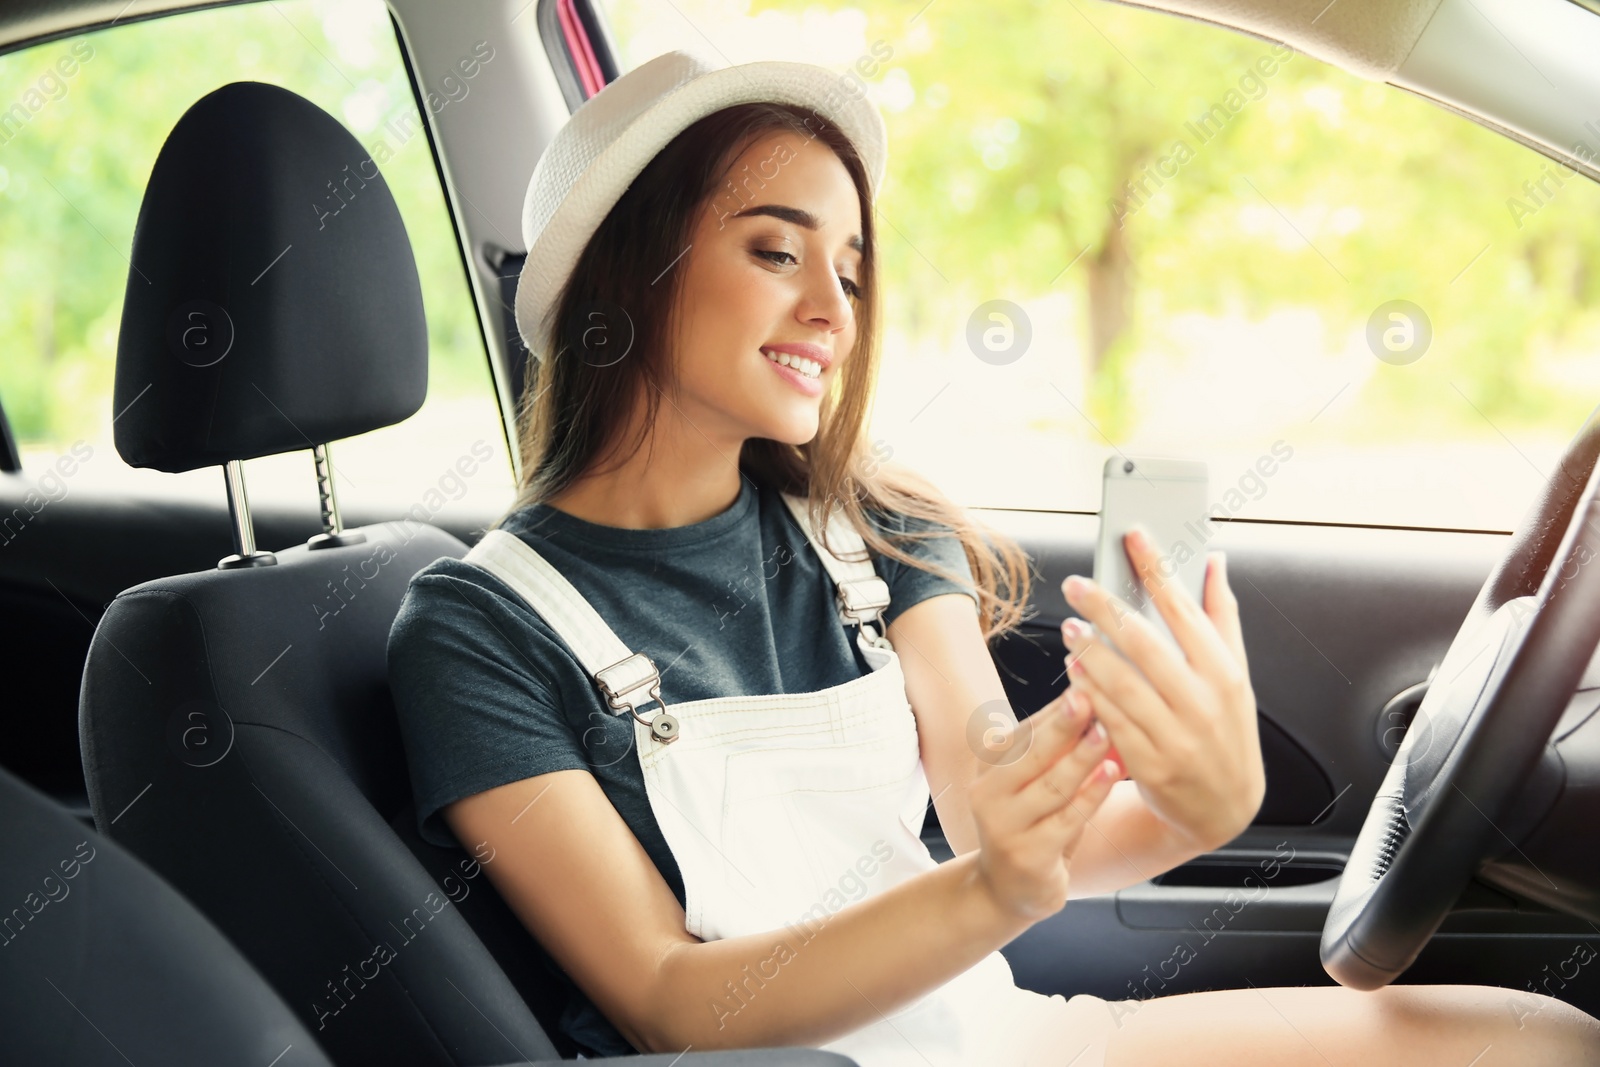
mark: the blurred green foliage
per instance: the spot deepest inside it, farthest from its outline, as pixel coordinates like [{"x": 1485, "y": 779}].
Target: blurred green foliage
[
  {"x": 1042, "y": 135},
  {"x": 1044, "y": 148}
]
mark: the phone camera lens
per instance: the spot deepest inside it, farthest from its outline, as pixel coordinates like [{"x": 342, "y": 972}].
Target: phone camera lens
[{"x": 1127, "y": 466}]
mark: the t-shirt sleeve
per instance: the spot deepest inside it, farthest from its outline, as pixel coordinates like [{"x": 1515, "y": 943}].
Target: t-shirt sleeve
[
  {"x": 475, "y": 709},
  {"x": 910, "y": 585}
]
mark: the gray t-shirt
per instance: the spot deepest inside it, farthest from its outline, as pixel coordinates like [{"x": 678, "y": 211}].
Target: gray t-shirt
[{"x": 486, "y": 693}]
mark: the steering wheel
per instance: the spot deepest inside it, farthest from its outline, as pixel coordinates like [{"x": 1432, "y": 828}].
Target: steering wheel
[{"x": 1453, "y": 796}]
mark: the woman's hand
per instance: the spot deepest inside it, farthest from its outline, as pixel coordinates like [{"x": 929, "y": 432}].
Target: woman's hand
[
  {"x": 1035, "y": 791},
  {"x": 1184, "y": 723}
]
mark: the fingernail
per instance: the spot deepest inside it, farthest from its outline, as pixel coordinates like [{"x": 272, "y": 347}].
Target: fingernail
[
  {"x": 1074, "y": 629},
  {"x": 1097, "y": 733},
  {"x": 1075, "y": 668},
  {"x": 1137, "y": 538},
  {"x": 1074, "y": 587}
]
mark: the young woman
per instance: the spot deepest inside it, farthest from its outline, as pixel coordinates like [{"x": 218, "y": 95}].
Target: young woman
[{"x": 691, "y": 696}]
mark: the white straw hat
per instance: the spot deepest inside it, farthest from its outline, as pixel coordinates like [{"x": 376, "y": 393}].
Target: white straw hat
[{"x": 595, "y": 156}]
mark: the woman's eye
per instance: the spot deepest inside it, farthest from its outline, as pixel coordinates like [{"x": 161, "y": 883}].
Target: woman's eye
[{"x": 850, "y": 287}]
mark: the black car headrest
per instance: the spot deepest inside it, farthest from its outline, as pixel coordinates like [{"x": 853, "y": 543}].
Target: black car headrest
[{"x": 273, "y": 302}]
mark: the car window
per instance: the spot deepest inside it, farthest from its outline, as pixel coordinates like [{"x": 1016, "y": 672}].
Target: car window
[
  {"x": 1111, "y": 231},
  {"x": 81, "y": 122}
]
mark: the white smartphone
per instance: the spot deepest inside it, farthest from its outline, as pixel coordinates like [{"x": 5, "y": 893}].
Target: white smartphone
[{"x": 1170, "y": 499}]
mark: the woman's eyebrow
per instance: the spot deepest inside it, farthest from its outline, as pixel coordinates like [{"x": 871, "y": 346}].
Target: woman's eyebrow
[{"x": 798, "y": 216}]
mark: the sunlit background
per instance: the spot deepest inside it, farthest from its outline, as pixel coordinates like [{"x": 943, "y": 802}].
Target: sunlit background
[
  {"x": 71, "y": 181},
  {"x": 1103, "y": 231}
]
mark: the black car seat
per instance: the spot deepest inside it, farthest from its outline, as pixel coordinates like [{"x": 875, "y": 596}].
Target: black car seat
[
  {"x": 102, "y": 962},
  {"x": 236, "y": 724}
]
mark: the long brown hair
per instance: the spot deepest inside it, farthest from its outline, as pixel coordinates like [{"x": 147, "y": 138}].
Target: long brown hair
[{"x": 573, "y": 406}]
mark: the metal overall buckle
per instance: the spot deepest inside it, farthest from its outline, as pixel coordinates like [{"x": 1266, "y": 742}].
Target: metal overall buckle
[
  {"x": 861, "y": 601},
  {"x": 624, "y": 678}
]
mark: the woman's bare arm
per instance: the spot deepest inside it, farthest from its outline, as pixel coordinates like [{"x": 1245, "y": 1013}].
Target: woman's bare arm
[{"x": 573, "y": 872}]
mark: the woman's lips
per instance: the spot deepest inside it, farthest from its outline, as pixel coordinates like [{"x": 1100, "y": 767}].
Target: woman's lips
[{"x": 808, "y": 386}]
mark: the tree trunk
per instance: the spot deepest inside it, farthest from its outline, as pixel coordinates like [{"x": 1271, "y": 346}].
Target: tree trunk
[{"x": 1110, "y": 291}]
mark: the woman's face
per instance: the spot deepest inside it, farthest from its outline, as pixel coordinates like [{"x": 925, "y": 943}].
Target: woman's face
[{"x": 773, "y": 260}]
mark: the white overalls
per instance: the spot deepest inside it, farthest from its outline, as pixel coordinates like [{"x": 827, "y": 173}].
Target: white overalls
[{"x": 780, "y": 809}]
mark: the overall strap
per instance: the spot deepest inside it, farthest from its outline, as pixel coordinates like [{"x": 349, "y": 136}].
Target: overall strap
[
  {"x": 860, "y": 593},
  {"x": 628, "y": 679}
]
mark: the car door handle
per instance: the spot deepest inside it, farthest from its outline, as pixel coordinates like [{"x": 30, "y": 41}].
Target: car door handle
[{"x": 1237, "y": 889}]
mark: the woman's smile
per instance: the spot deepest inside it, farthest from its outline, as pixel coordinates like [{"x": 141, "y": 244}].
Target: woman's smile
[
  {"x": 808, "y": 386},
  {"x": 804, "y": 373}
]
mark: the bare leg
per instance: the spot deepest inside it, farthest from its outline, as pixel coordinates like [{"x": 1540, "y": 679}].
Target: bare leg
[{"x": 1332, "y": 1026}]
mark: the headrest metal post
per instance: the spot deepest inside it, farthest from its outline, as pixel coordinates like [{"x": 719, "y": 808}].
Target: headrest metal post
[
  {"x": 244, "y": 537},
  {"x": 333, "y": 532}
]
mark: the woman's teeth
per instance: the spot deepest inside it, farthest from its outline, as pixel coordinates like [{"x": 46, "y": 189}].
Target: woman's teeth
[{"x": 809, "y": 367}]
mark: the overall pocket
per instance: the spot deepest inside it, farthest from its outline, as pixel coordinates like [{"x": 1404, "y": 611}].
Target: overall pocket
[{"x": 808, "y": 828}]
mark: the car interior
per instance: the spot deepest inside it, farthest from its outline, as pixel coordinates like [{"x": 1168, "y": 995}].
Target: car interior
[{"x": 200, "y": 728}]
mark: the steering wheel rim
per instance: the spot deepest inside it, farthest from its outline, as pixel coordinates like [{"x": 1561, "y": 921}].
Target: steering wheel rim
[{"x": 1484, "y": 724}]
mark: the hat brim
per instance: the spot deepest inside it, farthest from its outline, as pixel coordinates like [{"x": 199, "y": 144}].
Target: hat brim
[{"x": 554, "y": 254}]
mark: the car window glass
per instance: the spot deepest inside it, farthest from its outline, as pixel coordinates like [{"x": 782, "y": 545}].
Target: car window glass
[
  {"x": 81, "y": 122},
  {"x": 1112, "y": 231}
]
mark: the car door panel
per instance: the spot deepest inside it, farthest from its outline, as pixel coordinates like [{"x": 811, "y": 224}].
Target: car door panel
[{"x": 1337, "y": 621}]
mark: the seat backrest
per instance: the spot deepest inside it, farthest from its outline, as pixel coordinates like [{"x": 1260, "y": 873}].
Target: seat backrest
[
  {"x": 236, "y": 725},
  {"x": 102, "y": 962},
  {"x": 248, "y": 750}
]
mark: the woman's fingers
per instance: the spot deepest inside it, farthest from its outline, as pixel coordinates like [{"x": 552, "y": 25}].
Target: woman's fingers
[
  {"x": 1027, "y": 834},
  {"x": 1051, "y": 732},
  {"x": 1075, "y": 816},
  {"x": 1179, "y": 678},
  {"x": 1202, "y": 645},
  {"x": 1147, "y": 701},
  {"x": 1041, "y": 739},
  {"x": 1222, "y": 607},
  {"x": 1136, "y": 747},
  {"x": 1058, "y": 783},
  {"x": 1133, "y": 644}
]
